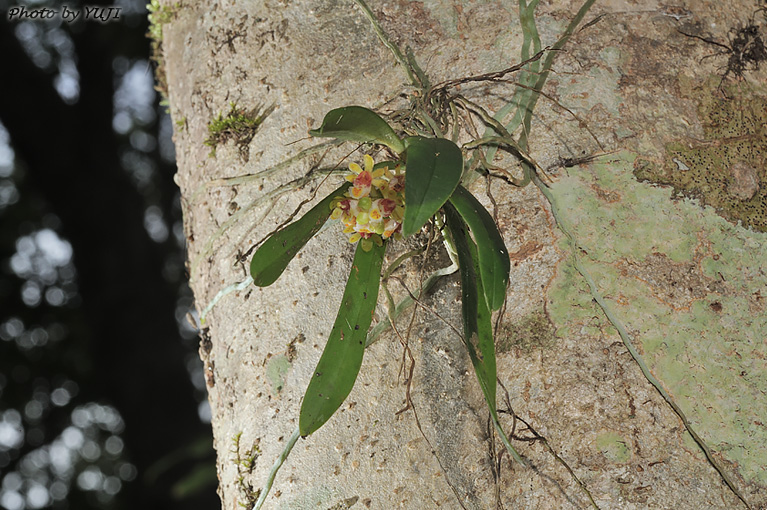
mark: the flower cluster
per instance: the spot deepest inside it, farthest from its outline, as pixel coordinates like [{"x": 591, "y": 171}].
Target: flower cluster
[{"x": 372, "y": 210}]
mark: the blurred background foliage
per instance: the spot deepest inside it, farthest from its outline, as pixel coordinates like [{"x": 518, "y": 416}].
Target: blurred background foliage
[{"x": 102, "y": 396}]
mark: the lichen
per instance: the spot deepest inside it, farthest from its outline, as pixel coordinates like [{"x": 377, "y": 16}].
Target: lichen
[
  {"x": 689, "y": 286},
  {"x": 276, "y": 370},
  {"x": 726, "y": 169},
  {"x": 614, "y": 447}
]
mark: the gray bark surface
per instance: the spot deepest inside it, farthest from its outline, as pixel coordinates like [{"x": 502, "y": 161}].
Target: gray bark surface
[{"x": 685, "y": 284}]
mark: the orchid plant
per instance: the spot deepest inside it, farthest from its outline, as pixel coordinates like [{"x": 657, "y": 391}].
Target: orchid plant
[{"x": 377, "y": 203}]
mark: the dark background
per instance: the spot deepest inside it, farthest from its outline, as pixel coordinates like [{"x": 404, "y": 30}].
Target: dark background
[{"x": 102, "y": 401}]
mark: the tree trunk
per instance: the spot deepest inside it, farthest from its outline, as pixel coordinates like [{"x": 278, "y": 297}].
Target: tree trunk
[{"x": 635, "y": 315}]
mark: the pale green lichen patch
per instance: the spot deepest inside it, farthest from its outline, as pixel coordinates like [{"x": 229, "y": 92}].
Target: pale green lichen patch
[
  {"x": 276, "y": 370},
  {"x": 651, "y": 228},
  {"x": 727, "y": 169},
  {"x": 614, "y": 447},
  {"x": 570, "y": 306},
  {"x": 597, "y": 89},
  {"x": 689, "y": 287},
  {"x": 318, "y": 497}
]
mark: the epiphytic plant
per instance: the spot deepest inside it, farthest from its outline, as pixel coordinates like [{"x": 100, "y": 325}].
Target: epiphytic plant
[
  {"x": 373, "y": 208},
  {"x": 392, "y": 199}
]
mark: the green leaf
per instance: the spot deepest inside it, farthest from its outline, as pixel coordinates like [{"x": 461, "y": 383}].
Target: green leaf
[
  {"x": 434, "y": 167},
  {"x": 358, "y": 124},
  {"x": 477, "y": 327},
  {"x": 477, "y": 318},
  {"x": 271, "y": 259},
  {"x": 494, "y": 262},
  {"x": 337, "y": 369}
]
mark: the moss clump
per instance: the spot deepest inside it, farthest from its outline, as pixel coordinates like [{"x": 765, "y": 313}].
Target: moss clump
[
  {"x": 726, "y": 169},
  {"x": 245, "y": 463},
  {"x": 534, "y": 331},
  {"x": 159, "y": 15},
  {"x": 238, "y": 125}
]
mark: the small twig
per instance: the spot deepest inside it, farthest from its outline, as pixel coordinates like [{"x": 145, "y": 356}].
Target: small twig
[
  {"x": 572, "y": 162},
  {"x": 497, "y": 75},
  {"x": 545, "y": 442},
  {"x": 581, "y": 122},
  {"x": 592, "y": 22},
  {"x": 706, "y": 40}
]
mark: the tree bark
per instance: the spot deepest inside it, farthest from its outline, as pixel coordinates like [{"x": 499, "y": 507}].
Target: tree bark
[{"x": 603, "y": 263}]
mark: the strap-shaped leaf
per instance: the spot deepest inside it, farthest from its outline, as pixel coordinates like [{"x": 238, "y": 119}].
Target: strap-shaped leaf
[
  {"x": 434, "y": 167},
  {"x": 494, "y": 262},
  {"x": 358, "y": 124},
  {"x": 477, "y": 318},
  {"x": 477, "y": 326},
  {"x": 340, "y": 362},
  {"x": 272, "y": 257}
]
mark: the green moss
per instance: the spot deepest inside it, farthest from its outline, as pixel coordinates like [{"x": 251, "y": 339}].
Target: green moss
[
  {"x": 237, "y": 125},
  {"x": 246, "y": 462},
  {"x": 159, "y": 15},
  {"x": 725, "y": 169},
  {"x": 532, "y": 332}
]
